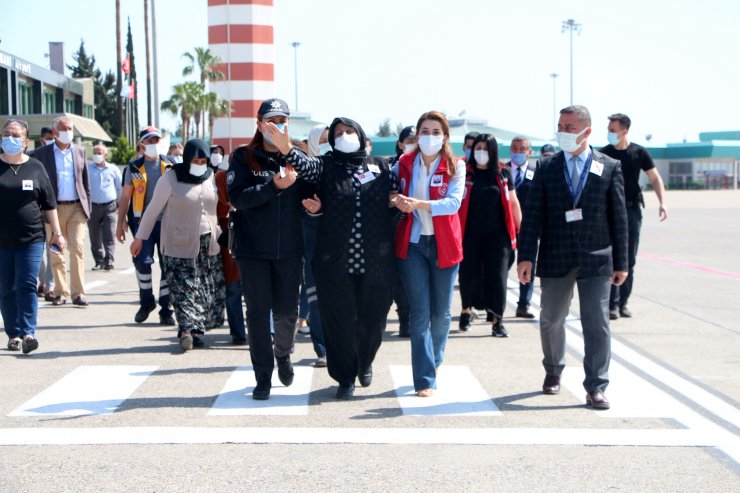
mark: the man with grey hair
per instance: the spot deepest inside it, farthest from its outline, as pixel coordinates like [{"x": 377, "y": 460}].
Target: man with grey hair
[
  {"x": 66, "y": 165},
  {"x": 105, "y": 190},
  {"x": 575, "y": 212}
]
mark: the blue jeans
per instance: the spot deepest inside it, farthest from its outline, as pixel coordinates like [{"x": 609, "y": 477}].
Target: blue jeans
[
  {"x": 19, "y": 269},
  {"x": 429, "y": 291},
  {"x": 143, "y": 264},
  {"x": 234, "y": 311},
  {"x": 310, "y": 228}
]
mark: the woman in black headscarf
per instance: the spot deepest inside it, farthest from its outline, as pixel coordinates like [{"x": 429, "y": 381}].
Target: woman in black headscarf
[
  {"x": 186, "y": 197},
  {"x": 354, "y": 263}
]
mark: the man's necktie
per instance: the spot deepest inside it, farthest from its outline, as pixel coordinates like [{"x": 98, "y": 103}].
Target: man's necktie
[{"x": 519, "y": 177}]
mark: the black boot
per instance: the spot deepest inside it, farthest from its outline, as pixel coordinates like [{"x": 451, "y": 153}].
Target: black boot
[
  {"x": 465, "y": 320},
  {"x": 264, "y": 383}
]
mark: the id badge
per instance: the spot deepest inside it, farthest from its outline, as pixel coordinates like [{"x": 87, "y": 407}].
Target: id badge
[
  {"x": 573, "y": 215},
  {"x": 374, "y": 168},
  {"x": 27, "y": 184},
  {"x": 365, "y": 177},
  {"x": 597, "y": 168},
  {"x": 437, "y": 180},
  {"x": 529, "y": 175}
]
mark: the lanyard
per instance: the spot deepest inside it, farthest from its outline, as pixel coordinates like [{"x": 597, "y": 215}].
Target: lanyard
[{"x": 576, "y": 194}]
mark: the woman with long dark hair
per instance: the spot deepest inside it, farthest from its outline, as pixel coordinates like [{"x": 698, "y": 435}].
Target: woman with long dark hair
[
  {"x": 268, "y": 244},
  {"x": 489, "y": 239},
  {"x": 353, "y": 262}
]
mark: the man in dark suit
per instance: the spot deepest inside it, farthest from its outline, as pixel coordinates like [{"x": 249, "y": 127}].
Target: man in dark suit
[
  {"x": 66, "y": 165},
  {"x": 522, "y": 172},
  {"x": 576, "y": 210}
]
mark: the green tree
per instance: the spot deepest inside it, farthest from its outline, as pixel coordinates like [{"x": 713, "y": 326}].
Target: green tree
[
  {"x": 384, "y": 130},
  {"x": 399, "y": 128},
  {"x": 186, "y": 101},
  {"x": 205, "y": 61},
  {"x": 122, "y": 151},
  {"x": 215, "y": 106},
  {"x": 104, "y": 87}
]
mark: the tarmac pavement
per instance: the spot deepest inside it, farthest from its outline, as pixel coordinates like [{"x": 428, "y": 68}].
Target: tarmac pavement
[{"x": 106, "y": 404}]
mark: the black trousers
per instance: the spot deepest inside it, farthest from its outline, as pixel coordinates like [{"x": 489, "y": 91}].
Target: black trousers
[
  {"x": 484, "y": 270},
  {"x": 270, "y": 285},
  {"x": 353, "y": 316},
  {"x": 620, "y": 295}
]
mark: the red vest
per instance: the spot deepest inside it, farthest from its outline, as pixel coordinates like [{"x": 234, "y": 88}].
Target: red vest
[{"x": 447, "y": 229}]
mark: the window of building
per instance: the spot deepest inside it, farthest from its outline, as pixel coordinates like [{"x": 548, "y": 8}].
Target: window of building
[
  {"x": 50, "y": 102},
  {"x": 69, "y": 106},
  {"x": 88, "y": 111},
  {"x": 25, "y": 105}
]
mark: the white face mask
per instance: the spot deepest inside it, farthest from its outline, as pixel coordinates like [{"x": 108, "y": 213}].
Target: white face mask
[
  {"x": 47, "y": 142},
  {"x": 481, "y": 157},
  {"x": 151, "y": 150},
  {"x": 431, "y": 144},
  {"x": 198, "y": 169},
  {"x": 178, "y": 159},
  {"x": 216, "y": 159},
  {"x": 224, "y": 165},
  {"x": 347, "y": 143},
  {"x": 409, "y": 148},
  {"x": 324, "y": 148},
  {"x": 568, "y": 142},
  {"x": 66, "y": 136},
  {"x": 98, "y": 158}
]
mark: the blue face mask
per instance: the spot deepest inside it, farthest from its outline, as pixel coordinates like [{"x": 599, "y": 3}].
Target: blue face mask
[
  {"x": 467, "y": 154},
  {"x": 518, "y": 158},
  {"x": 280, "y": 126},
  {"x": 613, "y": 138},
  {"x": 12, "y": 145}
]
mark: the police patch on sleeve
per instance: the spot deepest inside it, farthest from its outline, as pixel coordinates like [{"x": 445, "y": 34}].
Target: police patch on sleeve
[{"x": 230, "y": 178}]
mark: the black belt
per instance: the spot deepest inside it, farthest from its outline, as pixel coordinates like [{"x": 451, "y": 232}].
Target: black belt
[
  {"x": 67, "y": 202},
  {"x": 102, "y": 205}
]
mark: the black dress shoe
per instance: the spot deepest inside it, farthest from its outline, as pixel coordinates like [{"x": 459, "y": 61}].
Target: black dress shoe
[
  {"x": 58, "y": 301},
  {"x": 29, "y": 344},
  {"x": 625, "y": 312},
  {"x": 49, "y": 296},
  {"x": 523, "y": 313},
  {"x": 198, "y": 342},
  {"x": 285, "y": 370},
  {"x": 143, "y": 313},
  {"x": 262, "y": 391},
  {"x": 551, "y": 386},
  {"x": 498, "y": 330},
  {"x": 465, "y": 319},
  {"x": 613, "y": 314},
  {"x": 109, "y": 267},
  {"x": 597, "y": 400},
  {"x": 239, "y": 341},
  {"x": 165, "y": 320},
  {"x": 366, "y": 377},
  {"x": 345, "y": 392},
  {"x": 80, "y": 301},
  {"x": 98, "y": 267}
]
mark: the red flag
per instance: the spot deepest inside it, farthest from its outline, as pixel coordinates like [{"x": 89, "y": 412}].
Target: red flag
[
  {"x": 132, "y": 90},
  {"x": 126, "y": 65}
]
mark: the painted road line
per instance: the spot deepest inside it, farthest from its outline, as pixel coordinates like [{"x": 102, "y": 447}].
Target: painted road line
[
  {"x": 398, "y": 435},
  {"x": 87, "y": 390},
  {"x": 236, "y": 397},
  {"x": 691, "y": 391},
  {"x": 94, "y": 284},
  {"x": 458, "y": 394},
  {"x": 689, "y": 265}
]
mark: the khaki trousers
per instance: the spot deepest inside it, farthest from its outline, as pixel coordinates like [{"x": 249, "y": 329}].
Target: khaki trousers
[{"x": 73, "y": 224}]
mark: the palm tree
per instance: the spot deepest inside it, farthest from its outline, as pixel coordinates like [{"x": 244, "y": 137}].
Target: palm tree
[
  {"x": 216, "y": 107},
  {"x": 185, "y": 100},
  {"x": 205, "y": 61}
]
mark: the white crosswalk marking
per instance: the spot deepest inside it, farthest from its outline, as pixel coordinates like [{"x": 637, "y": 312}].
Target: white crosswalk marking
[
  {"x": 236, "y": 397},
  {"x": 458, "y": 394},
  {"x": 87, "y": 390}
]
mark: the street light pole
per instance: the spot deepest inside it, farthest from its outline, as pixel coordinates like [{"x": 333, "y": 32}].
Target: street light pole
[
  {"x": 295, "y": 45},
  {"x": 571, "y": 26},
  {"x": 554, "y": 104}
]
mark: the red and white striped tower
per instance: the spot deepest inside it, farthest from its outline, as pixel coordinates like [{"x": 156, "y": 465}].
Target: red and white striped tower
[{"x": 240, "y": 32}]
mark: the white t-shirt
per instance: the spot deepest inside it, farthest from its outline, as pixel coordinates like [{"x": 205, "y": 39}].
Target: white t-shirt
[{"x": 421, "y": 192}]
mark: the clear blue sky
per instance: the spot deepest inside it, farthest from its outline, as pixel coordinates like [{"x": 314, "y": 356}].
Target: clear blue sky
[{"x": 670, "y": 65}]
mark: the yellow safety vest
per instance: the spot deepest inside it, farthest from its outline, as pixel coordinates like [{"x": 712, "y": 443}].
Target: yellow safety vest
[{"x": 138, "y": 180}]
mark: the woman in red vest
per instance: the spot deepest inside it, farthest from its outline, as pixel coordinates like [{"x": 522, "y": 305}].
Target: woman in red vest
[
  {"x": 429, "y": 242},
  {"x": 490, "y": 235}
]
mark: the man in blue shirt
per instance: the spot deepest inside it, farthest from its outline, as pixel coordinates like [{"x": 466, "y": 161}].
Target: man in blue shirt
[{"x": 105, "y": 190}]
